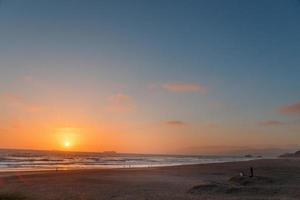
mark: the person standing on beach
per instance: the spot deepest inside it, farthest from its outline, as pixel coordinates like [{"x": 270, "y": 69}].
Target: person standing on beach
[{"x": 251, "y": 172}]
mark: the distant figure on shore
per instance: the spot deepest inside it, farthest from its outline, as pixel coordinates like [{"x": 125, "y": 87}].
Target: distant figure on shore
[{"x": 251, "y": 172}]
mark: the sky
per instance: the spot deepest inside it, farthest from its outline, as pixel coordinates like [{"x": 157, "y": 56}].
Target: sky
[{"x": 149, "y": 76}]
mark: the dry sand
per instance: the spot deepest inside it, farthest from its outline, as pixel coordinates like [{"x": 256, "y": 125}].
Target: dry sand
[{"x": 274, "y": 179}]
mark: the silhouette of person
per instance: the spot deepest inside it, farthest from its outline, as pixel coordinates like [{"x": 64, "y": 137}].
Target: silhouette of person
[{"x": 251, "y": 172}]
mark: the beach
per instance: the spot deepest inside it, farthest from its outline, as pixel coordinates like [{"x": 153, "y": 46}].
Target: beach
[{"x": 273, "y": 179}]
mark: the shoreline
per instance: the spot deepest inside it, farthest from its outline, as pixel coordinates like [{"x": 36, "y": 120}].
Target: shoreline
[
  {"x": 30, "y": 171},
  {"x": 276, "y": 179}
]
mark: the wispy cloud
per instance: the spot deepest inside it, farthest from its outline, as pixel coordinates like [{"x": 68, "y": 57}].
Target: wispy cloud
[
  {"x": 271, "y": 123},
  {"x": 184, "y": 87},
  {"x": 175, "y": 123},
  {"x": 290, "y": 109},
  {"x": 120, "y": 103}
]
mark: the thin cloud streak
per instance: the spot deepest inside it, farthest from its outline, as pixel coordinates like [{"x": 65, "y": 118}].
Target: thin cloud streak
[
  {"x": 271, "y": 123},
  {"x": 176, "y": 123},
  {"x": 184, "y": 87},
  {"x": 290, "y": 109}
]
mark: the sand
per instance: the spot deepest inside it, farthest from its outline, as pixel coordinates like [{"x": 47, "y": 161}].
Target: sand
[{"x": 274, "y": 179}]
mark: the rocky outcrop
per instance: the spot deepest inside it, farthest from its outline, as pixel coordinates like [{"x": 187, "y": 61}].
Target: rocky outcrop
[{"x": 291, "y": 155}]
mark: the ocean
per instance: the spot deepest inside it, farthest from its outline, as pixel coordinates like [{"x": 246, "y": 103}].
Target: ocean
[{"x": 33, "y": 160}]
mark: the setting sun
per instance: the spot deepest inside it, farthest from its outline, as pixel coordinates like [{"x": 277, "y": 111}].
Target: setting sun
[
  {"x": 67, "y": 144},
  {"x": 68, "y": 138}
]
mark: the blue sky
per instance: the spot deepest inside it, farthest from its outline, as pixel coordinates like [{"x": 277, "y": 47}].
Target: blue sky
[{"x": 243, "y": 54}]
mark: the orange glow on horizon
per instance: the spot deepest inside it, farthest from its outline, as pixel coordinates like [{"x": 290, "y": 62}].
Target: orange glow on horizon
[{"x": 68, "y": 137}]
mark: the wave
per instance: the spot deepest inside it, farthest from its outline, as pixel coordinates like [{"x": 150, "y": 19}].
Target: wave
[{"x": 17, "y": 160}]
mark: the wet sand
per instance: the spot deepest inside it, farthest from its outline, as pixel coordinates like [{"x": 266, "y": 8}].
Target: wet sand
[{"x": 274, "y": 179}]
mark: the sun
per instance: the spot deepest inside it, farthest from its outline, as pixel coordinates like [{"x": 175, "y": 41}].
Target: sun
[
  {"x": 68, "y": 138},
  {"x": 67, "y": 144}
]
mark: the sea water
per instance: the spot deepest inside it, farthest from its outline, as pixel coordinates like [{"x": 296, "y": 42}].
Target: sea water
[{"x": 31, "y": 160}]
